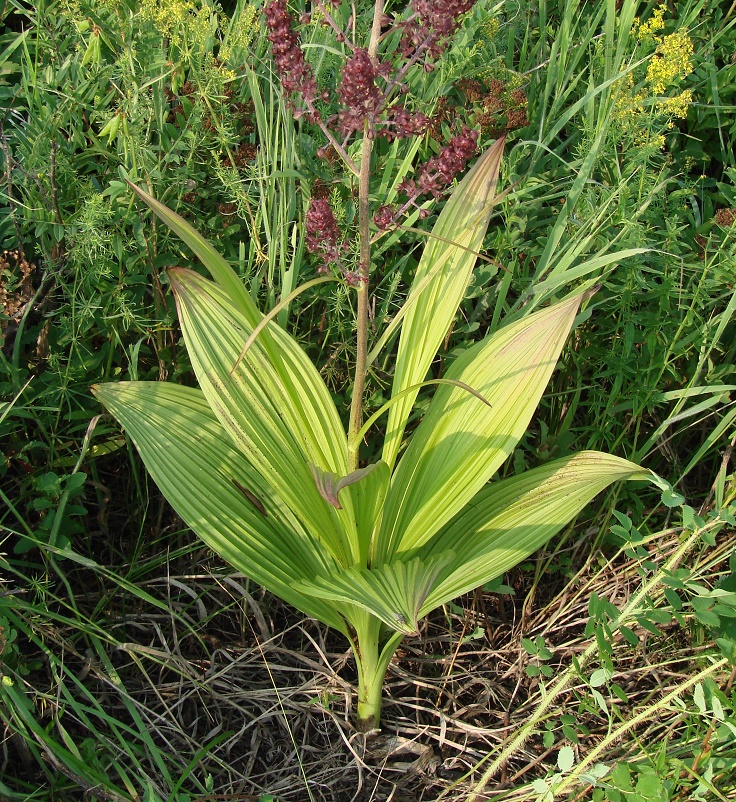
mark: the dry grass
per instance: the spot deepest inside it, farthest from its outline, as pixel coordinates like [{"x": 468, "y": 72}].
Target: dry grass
[{"x": 231, "y": 683}]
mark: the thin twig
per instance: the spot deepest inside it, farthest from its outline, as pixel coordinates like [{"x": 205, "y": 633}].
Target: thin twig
[{"x": 331, "y": 22}]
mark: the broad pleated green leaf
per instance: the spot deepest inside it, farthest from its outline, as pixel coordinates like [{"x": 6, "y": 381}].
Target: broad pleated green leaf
[
  {"x": 199, "y": 470},
  {"x": 461, "y": 441},
  {"x": 367, "y": 498},
  {"x": 295, "y": 370},
  {"x": 394, "y": 593},
  {"x": 439, "y": 285},
  {"x": 277, "y": 424},
  {"x": 510, "y": 519}
]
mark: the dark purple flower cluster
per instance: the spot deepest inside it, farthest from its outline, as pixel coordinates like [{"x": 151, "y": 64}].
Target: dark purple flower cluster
[
  {"x": 363, "y": 101},
  {"x": 433, "y": 22},
  {"x": 296, "y": 75},
  {"x": 358, "y": 92},
  {"x": 367, "y": 93},
  {"x": 384, "y": 218},
  {"x": 432, "y": 177},
  {"x": 323, "y": 234},
  {"x": 402, "y": 123},
  {"x": 437, "y": 173}
]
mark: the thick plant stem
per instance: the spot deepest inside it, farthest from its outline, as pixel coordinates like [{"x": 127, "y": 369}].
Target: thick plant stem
[
  {"x": 372, "y": 661},
  {"x": 364, "y": 265},
  {"x": 370, "y": 685},
  {"x": 361, "y": 337}
]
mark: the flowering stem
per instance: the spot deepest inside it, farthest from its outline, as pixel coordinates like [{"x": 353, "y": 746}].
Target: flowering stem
[
  {"x": 335, "y": 27},
  {"x": 364, "y": 234},
  {"x": 364, "y": 264},
  {"x": 399, "y": 77},
  {"x": 335, "y": 144}
]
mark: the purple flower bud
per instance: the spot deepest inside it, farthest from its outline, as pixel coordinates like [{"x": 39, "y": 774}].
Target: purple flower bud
[
  {"x": 434, "y": 175},
  {"x": 352, "y": 278},
  {"x": 323, "y": 233},
  {"x": 434, "y": 22},
  {"x": 358, "y": 92},
  {"x": 406, "y": 123},
  {"x": 384, "y": 218}
]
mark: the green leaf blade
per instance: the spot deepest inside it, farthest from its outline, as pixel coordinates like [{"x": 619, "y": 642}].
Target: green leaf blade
[
  {"x": 441, "y": 280},
  {"x": 394, "y": 592},
  {"x": 271, "y": 415},
  {"x": 200, "y": 472},
  {"x": 218, "y": 266},
  {"x": 510, "y": 519},
  {"x": 461, "y": 441},
  {"x": 290, "y": 362},
  {"x": 367, "y": 499}
]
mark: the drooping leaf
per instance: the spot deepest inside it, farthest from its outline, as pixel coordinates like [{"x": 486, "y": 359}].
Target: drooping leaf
[
  {"x": 367, "y": 489},
  {"x": 217, "y": 265},
  {"x": 202, "y": 474},
  {"x": 272, "y": 416},
  {"x": 511, "y": 518},
  {"x": 392, "y": 592},
  {"x": 329, "y": 484},
  {"x": 439, "y": 285},
  {"x": 461, "y": 442}
]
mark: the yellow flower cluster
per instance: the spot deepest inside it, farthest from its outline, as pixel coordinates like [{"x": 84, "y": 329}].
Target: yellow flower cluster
[
  {"x": 170, "y": 17},
  {"x": 672, "y": 61},
  {"x": 241, "y": 34},
  {"x": 676, "y": 106},
  {"x": 202, "y": 26},
  {"x": 213, "y": 77},
  {"x": 628, "y": 106},
  {"x": 80, "y": 16},
  {"x": 645, "y": 140},
  {"x": 490, "y": 28},
  {"x": 647, "y": 32},
  {"x": 166, "y": 15},
  {"x": 638, "y": 114}
]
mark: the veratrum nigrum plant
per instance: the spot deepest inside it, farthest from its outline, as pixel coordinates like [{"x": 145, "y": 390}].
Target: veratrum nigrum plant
[{"x": 257, "y": 461}]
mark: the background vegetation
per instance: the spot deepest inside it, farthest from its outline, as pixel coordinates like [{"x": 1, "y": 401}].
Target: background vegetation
[{"x": 136, "y": 666}]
